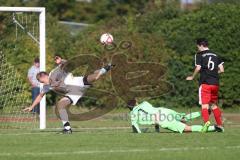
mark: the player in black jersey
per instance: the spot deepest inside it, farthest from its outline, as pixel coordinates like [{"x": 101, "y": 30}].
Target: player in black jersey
[{"x": 210, "y": 66}]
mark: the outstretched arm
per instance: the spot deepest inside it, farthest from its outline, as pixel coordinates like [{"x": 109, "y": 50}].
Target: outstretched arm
[
  {"x": 36, "y": 102},
  {"x": 197, "y": 69}
]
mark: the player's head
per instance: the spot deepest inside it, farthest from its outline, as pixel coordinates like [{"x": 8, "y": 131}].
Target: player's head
[
  {"x": 202, "y": 44},
  {"x": 131, "y": 103},
  {"x": 43, "y": 77},
  {"x": 57, "y": 59},
  {"x": 36, "y": 62}
]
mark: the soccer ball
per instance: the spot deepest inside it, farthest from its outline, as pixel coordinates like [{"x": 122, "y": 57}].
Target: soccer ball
[{"x": 106, "y": 38}]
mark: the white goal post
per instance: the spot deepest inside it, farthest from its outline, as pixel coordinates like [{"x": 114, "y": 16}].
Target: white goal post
[{"x": 42, "y": 34}]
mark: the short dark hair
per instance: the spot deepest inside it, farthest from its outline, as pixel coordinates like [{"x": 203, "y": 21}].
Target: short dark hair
[
  {"x": 40, "y": 74},
  {"x": 131, "y": 103},
  {"x": 202, "y": 42},
  {"x": 58, "y": 55},
  {"x": 36, "y": 60}
]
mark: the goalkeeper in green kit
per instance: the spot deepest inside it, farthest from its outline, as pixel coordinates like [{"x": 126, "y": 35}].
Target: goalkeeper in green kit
[{"x": 145, "y": 114}]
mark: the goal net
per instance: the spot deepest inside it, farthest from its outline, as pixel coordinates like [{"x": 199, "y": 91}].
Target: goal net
[{"x": 22, "y": 38}]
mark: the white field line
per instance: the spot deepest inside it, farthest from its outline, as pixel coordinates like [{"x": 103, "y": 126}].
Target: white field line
[
  {"x": 186, "y": 149},
  {"x": 51, "y": 130},
  {"x": 93, "y": 128},
  {"x": 28, "y": 133}
]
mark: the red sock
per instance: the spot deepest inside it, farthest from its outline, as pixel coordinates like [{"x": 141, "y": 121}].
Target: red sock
[
  {"x": 205, "y": 115},
  {"x": 218, "y": 116}
]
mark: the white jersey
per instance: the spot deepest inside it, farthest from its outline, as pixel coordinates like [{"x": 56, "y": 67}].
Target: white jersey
[{"x": 65, "y": 84}]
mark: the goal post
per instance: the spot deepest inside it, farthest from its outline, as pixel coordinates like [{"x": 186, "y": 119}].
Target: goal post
[{"x": 42, "y": 49}]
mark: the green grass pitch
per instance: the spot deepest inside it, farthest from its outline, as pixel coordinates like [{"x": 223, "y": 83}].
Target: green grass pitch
[{"x": 93, "y": 143}]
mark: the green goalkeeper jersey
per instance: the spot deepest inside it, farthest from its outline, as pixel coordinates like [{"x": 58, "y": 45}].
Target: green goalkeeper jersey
[{"x": 146, "y": 114}]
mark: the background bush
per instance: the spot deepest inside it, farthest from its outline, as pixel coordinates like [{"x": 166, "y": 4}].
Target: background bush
[
  {"x": 159, "y": 32},
  {"x": 219, "y": 24}
]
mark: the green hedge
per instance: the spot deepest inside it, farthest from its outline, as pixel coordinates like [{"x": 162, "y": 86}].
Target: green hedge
[
  {"x": 220, "y": 25},
  {"x": 165, "y": 35}
]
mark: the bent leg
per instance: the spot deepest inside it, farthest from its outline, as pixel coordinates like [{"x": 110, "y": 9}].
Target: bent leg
[
  {"x": 174, "y": 125},
  {"x": 61, "y": 106},
  {"x": 93, "y": 77},
  {"x": 192, "y": 116},
  {"x": 98, "y": 73}
]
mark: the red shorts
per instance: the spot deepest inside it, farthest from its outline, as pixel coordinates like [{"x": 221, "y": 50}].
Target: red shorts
[{"x": 208, "y": 94}]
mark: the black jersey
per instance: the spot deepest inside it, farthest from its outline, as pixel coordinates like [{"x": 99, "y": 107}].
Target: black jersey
[{"x": 209, "y": 63}]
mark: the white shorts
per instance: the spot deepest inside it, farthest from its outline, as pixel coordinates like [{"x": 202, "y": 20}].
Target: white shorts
[{"x": 70, "y": 80}]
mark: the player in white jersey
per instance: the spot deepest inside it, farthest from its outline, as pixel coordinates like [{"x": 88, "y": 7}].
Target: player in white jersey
[{"x": 64, "y": 83}]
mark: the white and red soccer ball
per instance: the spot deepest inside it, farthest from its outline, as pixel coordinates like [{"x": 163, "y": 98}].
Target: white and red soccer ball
[{"x": 106, "y": 38}]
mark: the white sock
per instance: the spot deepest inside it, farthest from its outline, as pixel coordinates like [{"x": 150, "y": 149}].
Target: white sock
[
  {"x": 102, "y": 71},
  {"x": 67, "y": 127}
]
